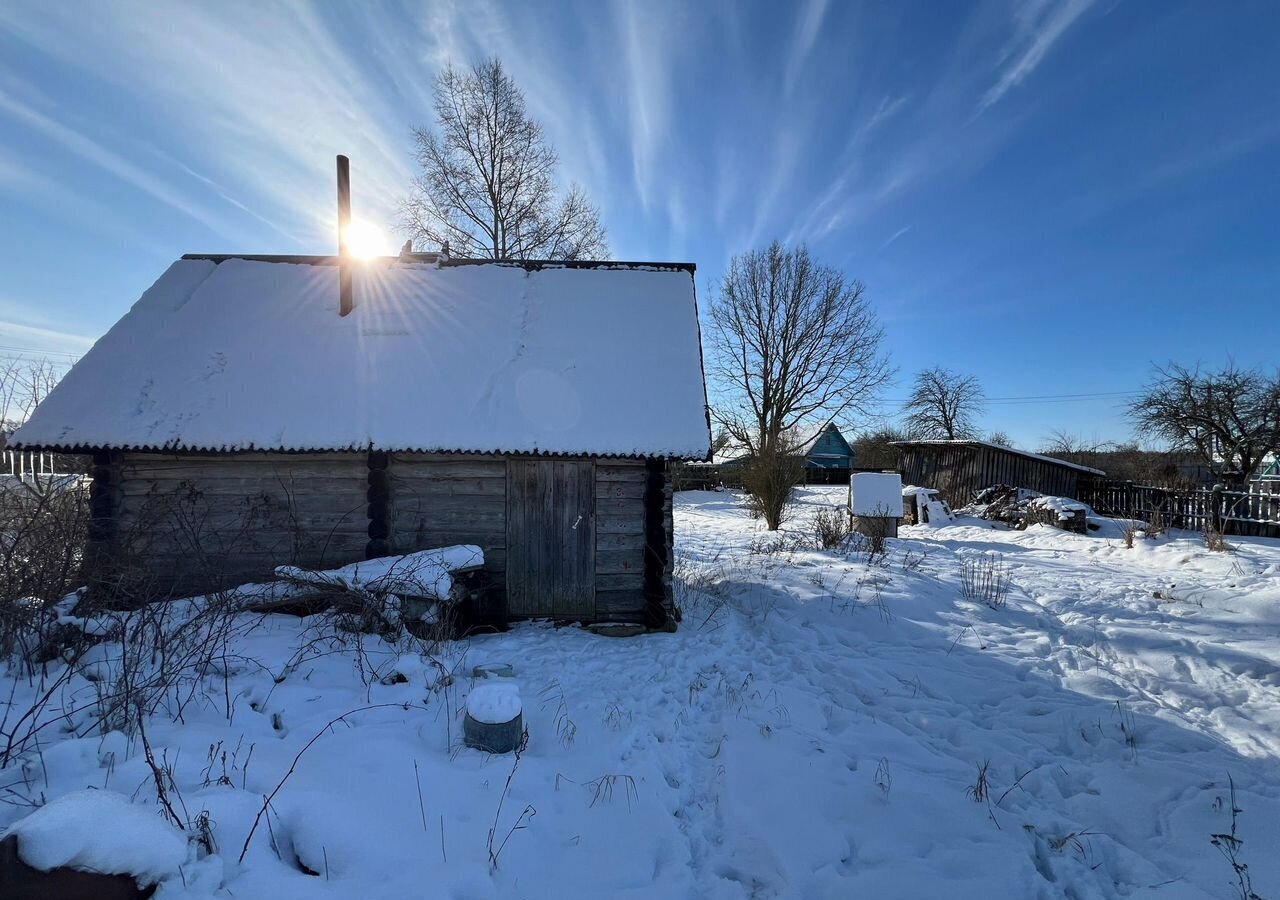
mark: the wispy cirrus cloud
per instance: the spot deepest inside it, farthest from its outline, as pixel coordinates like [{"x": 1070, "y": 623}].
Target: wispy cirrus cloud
[
  {"x": 96, "y": 154},
  {"x": 808, "y": 28},
  {"x": 20, "y": 334},
  {"x": 258, "y": 103},
  {"x": 897, "y": 234},
  {"x": 1039, "y": 25}
]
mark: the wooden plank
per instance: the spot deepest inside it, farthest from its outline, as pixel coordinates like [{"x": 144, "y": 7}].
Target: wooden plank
[
  {"x": 285, "y": 485},
  {"x": 620, "y": 525},
  {"x": 403, "y": 488},
  {"x": 607, "y": 472},
  {"x": 431, "y": 538},
  {"x": 427, "y": 518},
  {"x": 414, "y": 464},
  {"x": 528, "y": 504},
  {"x": 620, "y": 605},
  {"x": 620, "y": 490},
  {"x": 619, "y": 562},
  {"x": 444, "y": 503},
  {"x": 162, "y": 519},
  {"x": 574, "y": 499},
  {"x": 605, "y": 542},
  {"x": 632, "y": 581},
  {"x": 609, "y": 508}
]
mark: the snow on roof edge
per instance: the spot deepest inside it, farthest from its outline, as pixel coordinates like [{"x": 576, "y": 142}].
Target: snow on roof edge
[
  {"x": 87, "y": 449},
  {"x": 446, "y": 262},
  {"x": 973, "y": 442}
]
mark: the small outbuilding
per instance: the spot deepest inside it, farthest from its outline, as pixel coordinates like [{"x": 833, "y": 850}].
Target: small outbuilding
[
  {"x": 875, "y": 503},
  {"x": 959, "y": 469},
  {"x": 255, "y": 411}
]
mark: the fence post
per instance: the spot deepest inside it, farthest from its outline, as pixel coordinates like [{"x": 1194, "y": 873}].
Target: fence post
[{"x": 1215, "y": 510}]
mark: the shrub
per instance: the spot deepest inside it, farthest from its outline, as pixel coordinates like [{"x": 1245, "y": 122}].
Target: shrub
[
  {"x": 831, "y": 528},
  {"x": 876, "y": 530},
  {"x": 42, "y": 533},
  {"x": 1215, "y": 540},
  {"x": 770, "y": 477}
]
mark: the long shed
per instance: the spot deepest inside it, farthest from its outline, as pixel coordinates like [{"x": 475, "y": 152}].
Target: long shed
[
  {"x": 958, "y": 469},
  {"x": 237, "y": 421}
]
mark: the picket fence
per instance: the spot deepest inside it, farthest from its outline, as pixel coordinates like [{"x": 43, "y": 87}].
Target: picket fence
[{"x": 1254, "y": 511}]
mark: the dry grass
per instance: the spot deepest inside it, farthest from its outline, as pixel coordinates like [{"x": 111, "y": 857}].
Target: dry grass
[{"x": 985, "y": 578}]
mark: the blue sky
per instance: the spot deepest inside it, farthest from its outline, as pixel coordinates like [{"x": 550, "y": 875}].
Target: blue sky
[{"x": 1046, "y": 195}]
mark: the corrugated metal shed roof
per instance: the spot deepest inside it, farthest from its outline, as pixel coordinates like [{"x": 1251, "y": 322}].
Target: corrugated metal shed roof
[{"x": 977, "y": 443}]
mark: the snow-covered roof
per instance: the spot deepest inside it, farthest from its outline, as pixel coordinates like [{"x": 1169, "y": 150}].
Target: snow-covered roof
[
  {"x": 231, "y": 353},
  {"x": 1001, "y": 447}
]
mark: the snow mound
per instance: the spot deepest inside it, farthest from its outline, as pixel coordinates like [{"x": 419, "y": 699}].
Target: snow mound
[
  {"x": 1063, "y": 507},
  {"x": 937, "y": 512},
  {"x": 422, "y": 574},
  {"x": 101, "y": 831},
  {"x": 494, "y": 703}
]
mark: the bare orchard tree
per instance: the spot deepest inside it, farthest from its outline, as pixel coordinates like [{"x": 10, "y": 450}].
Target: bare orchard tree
[
  {"x": 943, "y": 405},
  {"x": 1230, "y": 418},
  {"x": 796, "y": 346},
  {"x": 875, "y": 449},
  {"x": 487, "y": 187},
  {"x": 24, "y": 383}
]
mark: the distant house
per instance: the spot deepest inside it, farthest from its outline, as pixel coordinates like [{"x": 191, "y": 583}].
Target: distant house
[
  {"x": 958, "y": 469},
  {"x": 828, "y": 457},
  {"x": 237, "y": 422},
  {"x": 1268, "y": 471}
]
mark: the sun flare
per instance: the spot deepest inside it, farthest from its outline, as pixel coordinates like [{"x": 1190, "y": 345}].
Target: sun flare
[{"x": 365, "y": 240}]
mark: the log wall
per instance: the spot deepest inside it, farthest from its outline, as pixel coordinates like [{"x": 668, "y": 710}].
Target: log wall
[
  {"x": 440, "y": 499},
  {"x": 621, "y": 538},
  {"x": 194, "y": 522}
]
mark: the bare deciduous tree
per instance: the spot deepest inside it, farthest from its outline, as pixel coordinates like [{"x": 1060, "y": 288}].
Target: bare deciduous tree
[
  {"x": 796, "y": 345},
  {"x": 24, "y": 383},
  {"x": 1000, "y": 439},
  {"x": 943, "y": 405},
  {"x": 1230, "y": 419},
  {"x": 487, "y": 185}
]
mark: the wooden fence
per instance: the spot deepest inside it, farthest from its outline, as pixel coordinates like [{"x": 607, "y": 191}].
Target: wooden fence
[{"x": 1253, "y": 512}]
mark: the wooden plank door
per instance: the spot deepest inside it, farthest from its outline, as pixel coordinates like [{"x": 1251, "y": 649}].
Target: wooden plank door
[{"x": 551, "y": 538}]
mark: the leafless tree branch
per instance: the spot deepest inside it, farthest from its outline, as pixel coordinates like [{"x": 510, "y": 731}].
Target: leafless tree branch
[
  {"x": 795, "y": 345},
  {"x": 1230, "y": 418},
  {"x": 943, "y": 405},
  {"x": 487, "y": 186}
]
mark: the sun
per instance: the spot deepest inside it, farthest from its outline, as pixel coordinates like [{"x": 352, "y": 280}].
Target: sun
[{"x": 365, "y": 240}]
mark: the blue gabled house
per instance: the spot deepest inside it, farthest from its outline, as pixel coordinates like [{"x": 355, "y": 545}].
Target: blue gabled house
[{"x": 830, "y": 452}]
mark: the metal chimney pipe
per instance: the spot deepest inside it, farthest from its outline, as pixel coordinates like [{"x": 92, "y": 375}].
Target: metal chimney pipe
[{"x": 345, "y": 300}]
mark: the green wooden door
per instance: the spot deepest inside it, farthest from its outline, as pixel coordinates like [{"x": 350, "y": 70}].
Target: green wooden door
[{"x": 551, "y": 538}]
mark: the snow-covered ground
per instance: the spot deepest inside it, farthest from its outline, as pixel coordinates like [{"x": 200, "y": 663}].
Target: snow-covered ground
[{"x": 814, "y": 730}]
